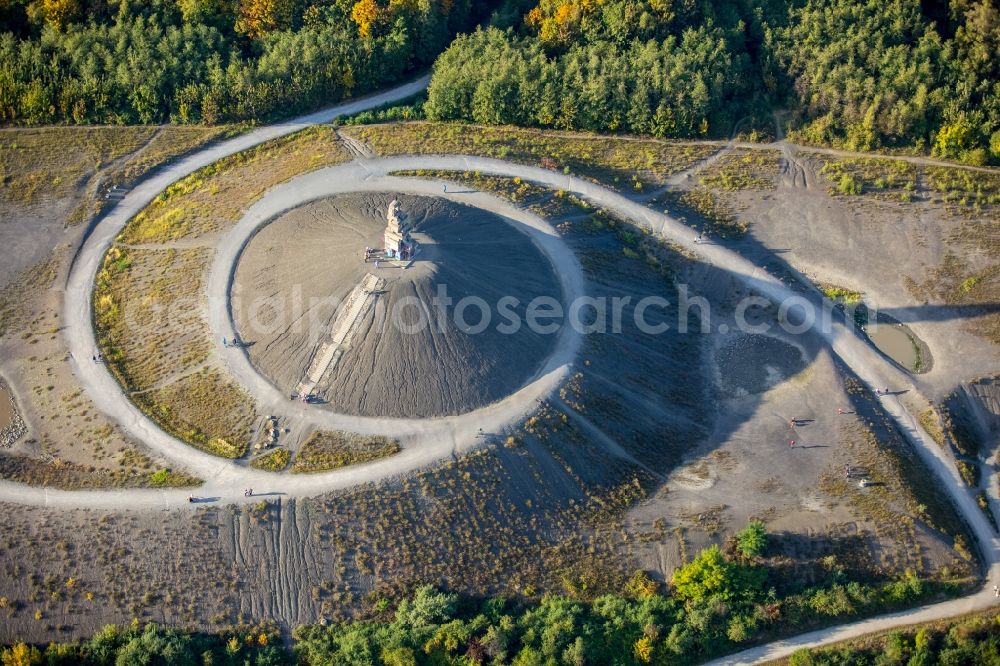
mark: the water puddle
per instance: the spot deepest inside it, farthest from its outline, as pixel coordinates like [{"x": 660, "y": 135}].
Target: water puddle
[
  {"x": 6, "y": 409},
  {"x": 899, "y": 343}
]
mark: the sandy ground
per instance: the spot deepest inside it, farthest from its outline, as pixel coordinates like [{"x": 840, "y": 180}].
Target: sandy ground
[
  {"x": 746, "y": 467},
  {"x": 297, "y": 271},
  {"x": 60, "y": 423},
  {"x": 871, "y": 246},
  {"x": 29, "y": 233}
]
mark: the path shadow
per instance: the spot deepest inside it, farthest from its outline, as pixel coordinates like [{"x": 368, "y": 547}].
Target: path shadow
[{"x": 907, "y": 314}]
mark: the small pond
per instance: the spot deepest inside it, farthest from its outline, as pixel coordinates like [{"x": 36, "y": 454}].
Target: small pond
[
  {"x": 6, "y": 408},
  {"x": 900, "y": 343}
]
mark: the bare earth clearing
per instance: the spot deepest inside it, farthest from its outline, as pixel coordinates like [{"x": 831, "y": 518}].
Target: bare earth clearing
[{"x": 299, "y": 269}]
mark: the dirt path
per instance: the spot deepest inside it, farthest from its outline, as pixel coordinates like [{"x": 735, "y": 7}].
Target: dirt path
[
  {"x": 373, "y": 175},
  {"x": 676, "y": 180},
  {"x": 608, "y": 442},
  {"x": 912, "y": 159},
  {"x": 722, "y": 143},
  {"x": 357, "y": 147}
]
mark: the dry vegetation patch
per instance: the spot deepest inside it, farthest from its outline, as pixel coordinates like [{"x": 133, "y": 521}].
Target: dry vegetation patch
[
  {"x": 169, "y": 143},
  {"x": 883, "y": 178},
  {"x": 326, "y": 450},
  {"x": 77, "y": 445},
  {"x": 204, "y": 409},
  {"x": 541, "y": 200},
  {"x": 134, "y": 470},
  {"x": 965, "y": 191},
  {"x": 148, "y": 314},
  {"x": 60, "y": 163},
  {"x": 273, "y": 461},
  {"x": 214, "y": 197},
  {"x": 703, "y": 209},
  {"x": 624, "y": 163},
  {"x": 899, "y": 489},
  {"x": 742, "y": 169},
  {"x": 17, "y": 298},
  {"x": 53, "y": 161}
]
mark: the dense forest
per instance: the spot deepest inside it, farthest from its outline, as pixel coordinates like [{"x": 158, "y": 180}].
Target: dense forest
[
  {"x": 863, "y": 75},
  {"x": 919, "y": 75},
  {"x": 210, "y": 61}
]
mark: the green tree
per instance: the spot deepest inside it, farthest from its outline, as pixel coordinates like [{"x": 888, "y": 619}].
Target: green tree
[
  {"x": 400, "y": 656},
  {"x": 709, "y": 574},
  {"x": 955, "y": 138},
  {"x": 752, "y": 539},
  {"x": 218, "y": 13},
  {"x": 427, "y": 606}
]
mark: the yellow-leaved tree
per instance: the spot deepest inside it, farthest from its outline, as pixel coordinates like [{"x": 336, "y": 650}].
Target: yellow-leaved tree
[
  {"x": 365, "y": 13},
  {"x": 60, "y": 13},
  {"x": 21, "y": 654},
  {"x": 259, "y": 17}
]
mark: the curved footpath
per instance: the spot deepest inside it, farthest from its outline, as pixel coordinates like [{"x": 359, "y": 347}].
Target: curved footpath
[
  {"x": 435, "y": 437},
  {"x": 224, "y": 479}
]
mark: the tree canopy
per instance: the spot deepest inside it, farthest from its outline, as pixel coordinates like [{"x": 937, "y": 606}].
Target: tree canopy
[
  {"x": 863, "y": 75},
  {"x": 209, "y": 61},
  {"x": 868, "y": 75}
]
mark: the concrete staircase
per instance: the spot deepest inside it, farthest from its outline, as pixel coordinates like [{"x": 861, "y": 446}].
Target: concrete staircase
[{"x": 359, "y": 302}]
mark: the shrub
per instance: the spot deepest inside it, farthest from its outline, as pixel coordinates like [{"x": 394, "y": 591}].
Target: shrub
[
  {"x": 711, "y": 575},
  {"x": 640, "y": 586},
  {"x": 159, "y": 477},
  {"x": 969, "y": 473},
  {"x": 21, "y": 654},
  {"x": 848, "y": 185},
  {"x": 274, "y": 461},
  {"x": 752, "y": 539},
  {"x": 428, "y": 606}
]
